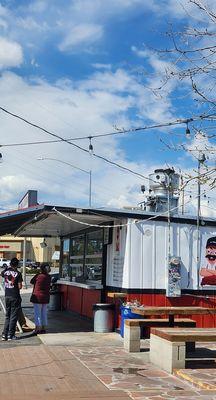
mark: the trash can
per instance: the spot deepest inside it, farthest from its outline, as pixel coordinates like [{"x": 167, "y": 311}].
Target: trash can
[
  {"x": 103, "y": 317},
  {"x": 55, "y": 300},
  {"x": 126, "y": 313}
]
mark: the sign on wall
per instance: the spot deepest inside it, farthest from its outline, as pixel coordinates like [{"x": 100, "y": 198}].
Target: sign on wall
[{"x": 174, "y": 277}]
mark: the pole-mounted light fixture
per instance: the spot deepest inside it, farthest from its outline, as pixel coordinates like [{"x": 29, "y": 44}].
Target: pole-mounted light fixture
[{"x": 74, "y": 166}]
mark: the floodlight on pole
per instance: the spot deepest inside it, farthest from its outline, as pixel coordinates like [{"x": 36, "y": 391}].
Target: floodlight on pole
[{"x": 73, "y": 166}]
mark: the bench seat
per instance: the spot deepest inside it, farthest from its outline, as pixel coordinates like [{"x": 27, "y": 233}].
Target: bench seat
[
  {"x": 132, "y": 329},
  {"x": 170, "y": 343}
]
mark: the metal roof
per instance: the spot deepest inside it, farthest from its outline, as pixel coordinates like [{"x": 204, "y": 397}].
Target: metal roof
[{"x": 43, "y": 220}]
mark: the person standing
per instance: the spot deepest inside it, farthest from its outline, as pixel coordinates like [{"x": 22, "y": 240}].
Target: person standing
[
  {"x": 40, "y": 297},
  {"x": 13, "y": 284}
]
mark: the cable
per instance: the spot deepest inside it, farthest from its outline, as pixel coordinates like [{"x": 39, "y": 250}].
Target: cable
[
  {"x": 75, "y": 145},
  {"x": 121, "y": 225},
  {"x": 117, "y": 132},
  {"x": 93, "y": 136}
]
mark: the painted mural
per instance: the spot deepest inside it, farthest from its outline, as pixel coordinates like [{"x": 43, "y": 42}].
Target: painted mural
[{"x": 208, "y": 270}]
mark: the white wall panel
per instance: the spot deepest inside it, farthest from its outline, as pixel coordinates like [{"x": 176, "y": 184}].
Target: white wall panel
[{"x": 144, "y": 251}]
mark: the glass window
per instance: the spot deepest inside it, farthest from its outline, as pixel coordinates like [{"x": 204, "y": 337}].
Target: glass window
[
  {"x": 93, "y": 258},
  {"x": 66, "y": 274},
  {"x": 82, "y": 256},
  {"x": 77, "y": 256}
]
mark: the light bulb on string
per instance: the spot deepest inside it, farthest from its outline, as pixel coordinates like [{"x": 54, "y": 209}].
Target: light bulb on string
[
  {"x": 187, "y": 132},
  {"x": 91, "y": 149}
]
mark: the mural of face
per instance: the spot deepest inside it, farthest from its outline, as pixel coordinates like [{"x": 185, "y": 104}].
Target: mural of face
[{"x": 211, "y": 253}]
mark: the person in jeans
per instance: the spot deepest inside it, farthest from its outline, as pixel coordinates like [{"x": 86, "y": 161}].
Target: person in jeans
[
  {"x": 40, "y": 297},
  {"x": 13, "y": 284}
]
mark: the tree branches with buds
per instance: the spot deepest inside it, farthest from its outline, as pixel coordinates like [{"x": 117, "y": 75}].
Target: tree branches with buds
[{"x": 192, "y": 56}]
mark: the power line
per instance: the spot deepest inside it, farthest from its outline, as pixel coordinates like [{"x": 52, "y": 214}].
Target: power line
[
  {"x": 117, "y": 132},
  {"x": 75, "y": 145},
  {"x": 134, "y": 222},
  {"x": 177, "y": 122}
]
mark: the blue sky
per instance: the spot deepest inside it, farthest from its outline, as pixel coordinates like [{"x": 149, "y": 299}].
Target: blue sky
[{"x": 84, "y": 67}]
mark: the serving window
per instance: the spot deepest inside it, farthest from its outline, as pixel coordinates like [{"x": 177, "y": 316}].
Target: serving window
[
  {"x": 77, "y": 256},
  {"x": 83, "y": 255}
]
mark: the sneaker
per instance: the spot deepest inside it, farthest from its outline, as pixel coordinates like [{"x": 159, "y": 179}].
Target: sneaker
[
  {"x": 43, "y": 331},
  {"x": 13, "y": 337},
  {"x": 4, "y": 338}
]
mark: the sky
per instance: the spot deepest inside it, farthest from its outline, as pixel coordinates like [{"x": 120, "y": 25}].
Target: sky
[{"x": 79, "y": 68}]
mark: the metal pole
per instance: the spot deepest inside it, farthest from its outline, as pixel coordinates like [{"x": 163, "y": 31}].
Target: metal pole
[
  {"x": 90, "y": 188},
  {"x": 24, "y": 262},
  {"x": 198, "y": 221},
  {"x": 201, "y": 159},
  {"x": 182, "y": 195},
  {"x": 168, "y": 220}
]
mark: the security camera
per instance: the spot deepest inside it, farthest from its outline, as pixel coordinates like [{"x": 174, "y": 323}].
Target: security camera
[{"x": 43, "y": 244}]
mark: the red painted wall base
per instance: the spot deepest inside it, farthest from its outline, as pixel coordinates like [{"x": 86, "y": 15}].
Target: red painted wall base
[
  {"x": 79, "y": 300},
  {"x": 205, "y": 321}
]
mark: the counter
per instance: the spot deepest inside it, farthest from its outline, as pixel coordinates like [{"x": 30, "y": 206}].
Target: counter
[
  {"x": 79, "y": 297},
  {"x": 81, "y": 285}
]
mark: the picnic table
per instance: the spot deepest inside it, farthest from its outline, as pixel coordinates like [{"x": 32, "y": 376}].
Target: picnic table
[
  {"x": 172, "y": 311},
  {"x": 168, "y": 345}
]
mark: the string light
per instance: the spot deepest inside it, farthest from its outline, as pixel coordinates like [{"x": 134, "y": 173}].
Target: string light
[
  {"x": 90, "y": 145},
  {"x": 187, "y": 132}
]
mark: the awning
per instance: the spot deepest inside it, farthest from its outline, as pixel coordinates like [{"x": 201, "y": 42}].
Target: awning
[
  {"x": 12, "y": 220},
  {"x": 55, "y": 221},
  {"x": 49, "y": 221}
]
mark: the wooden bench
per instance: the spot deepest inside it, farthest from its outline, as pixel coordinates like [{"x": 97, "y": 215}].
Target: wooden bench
[
  {"x": 132, "y": 329},
  {"x": 168, "y": 345}
]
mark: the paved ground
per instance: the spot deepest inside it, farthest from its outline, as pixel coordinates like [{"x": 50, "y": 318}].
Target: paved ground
[{"x": 73, "y": 362}]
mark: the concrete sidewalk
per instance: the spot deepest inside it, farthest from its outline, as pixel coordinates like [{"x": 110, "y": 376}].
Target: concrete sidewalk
[{"x": 73, "y": 362}]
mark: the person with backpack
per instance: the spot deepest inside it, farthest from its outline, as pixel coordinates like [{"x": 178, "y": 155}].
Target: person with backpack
[{"x": 12, "y": 284}]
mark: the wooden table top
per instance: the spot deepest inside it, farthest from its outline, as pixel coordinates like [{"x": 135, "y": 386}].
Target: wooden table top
[
  {"x": 116, "y": 295},
  {"x": 149, "y": 310},
  {"x": 186, "y": 334}
]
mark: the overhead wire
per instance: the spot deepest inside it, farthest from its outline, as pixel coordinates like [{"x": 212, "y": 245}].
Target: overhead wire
[
  {"x": 75, "y": 145},
  {"x": 116, "y": 132},
  {"x": 61, "y": 139},
  {"x": 134, "y": 222},
  {"x": 50, "y": 172}
]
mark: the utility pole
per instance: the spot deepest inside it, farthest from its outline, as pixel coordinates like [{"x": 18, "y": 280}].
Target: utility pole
[
  {"x": 183, "y": 200},
  {"x": 168, "y": 217},
  {"x": 201, "y": 160}
]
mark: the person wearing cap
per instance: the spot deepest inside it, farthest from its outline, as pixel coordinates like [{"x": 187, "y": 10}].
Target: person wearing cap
[
  {"x": 211, "y": 253},
  {"x": 13, "y": 284},
  {"x": 208, "y": 272}
]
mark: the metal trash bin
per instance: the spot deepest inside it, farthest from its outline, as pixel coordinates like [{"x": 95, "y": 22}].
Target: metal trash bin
[
  {"x": 126, "y": 313},
  {"x": 103, "y": 317},
  {"x": 55, "y": 301}
]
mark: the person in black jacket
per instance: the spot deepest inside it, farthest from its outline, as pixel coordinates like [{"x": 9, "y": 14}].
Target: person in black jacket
[{"x": 13, "y": 284}]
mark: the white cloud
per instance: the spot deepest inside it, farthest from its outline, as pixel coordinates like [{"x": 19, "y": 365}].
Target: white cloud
[
  {"x": 38, "y": 6},
  {"x": 30, "y": 24},
  {"x": 69, "y": 110},
  {"x": 11, "y": 54},
  {"x": 83, "y": 34},
  {"x": 102, "y": 66}
]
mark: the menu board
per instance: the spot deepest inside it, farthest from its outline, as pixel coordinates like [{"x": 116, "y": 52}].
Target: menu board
[
  {"x": 118, "y": 263},
  {"x": 174, "y": 277}
]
